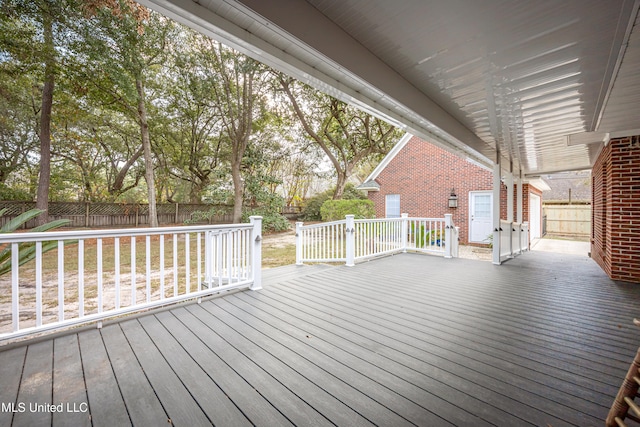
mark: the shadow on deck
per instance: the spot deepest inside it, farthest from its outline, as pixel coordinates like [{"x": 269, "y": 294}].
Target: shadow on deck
[{"x": 544, "y": 339}]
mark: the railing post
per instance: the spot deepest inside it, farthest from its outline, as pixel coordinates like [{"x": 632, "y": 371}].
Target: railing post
[
  {"x": 299, "y": 243},
  {"x": 455, "y": 249},
  {"x": 404, "y": 230},
  {"x": 351, "y": 240},
  {"x": 256, "y": 254},
  {"x": 448, "y": 235}
]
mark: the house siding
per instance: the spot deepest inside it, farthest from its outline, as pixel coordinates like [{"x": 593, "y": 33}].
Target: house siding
[
  {"x": 615, "y": 229},
  {"x": 424, "y": 175}
]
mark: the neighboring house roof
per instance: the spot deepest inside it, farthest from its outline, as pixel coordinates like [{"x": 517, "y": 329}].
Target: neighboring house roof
[
  {"x": 369, "y": 186},
  {"x": 370, "y": 183},
  {"x": 574, "y": 185}
]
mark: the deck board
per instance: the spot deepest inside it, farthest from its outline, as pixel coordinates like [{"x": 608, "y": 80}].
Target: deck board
[
  {"x": 11, "y": 365},
  {"x": 264, "y": 400},
  {"x": 219, "y": 409},
  {"x": 176, "y": 399},
  {"x": 403, "y": 340},
  {"x": 36, "y": 386},
  {"x": 143, "y": 405},
  {"x": 103, "y": 393},
  {"x": 68, "y": 384}
]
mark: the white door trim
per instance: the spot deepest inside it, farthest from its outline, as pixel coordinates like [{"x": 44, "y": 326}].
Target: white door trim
[{"x": 471, "y": 210}]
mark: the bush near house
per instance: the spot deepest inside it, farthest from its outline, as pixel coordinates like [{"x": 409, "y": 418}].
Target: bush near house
[
  {"x": 311, "y": 209},
  {"x": 333, "y": 210}
]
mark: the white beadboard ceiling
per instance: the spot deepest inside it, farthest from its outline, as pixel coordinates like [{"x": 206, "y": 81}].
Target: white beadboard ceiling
[{"x": 544, "y": 83}]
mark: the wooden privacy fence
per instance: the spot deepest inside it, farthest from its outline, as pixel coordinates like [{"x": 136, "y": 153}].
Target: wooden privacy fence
[
  {"x": 568, "y": 220},
  {"x": 83, "y": 214}
]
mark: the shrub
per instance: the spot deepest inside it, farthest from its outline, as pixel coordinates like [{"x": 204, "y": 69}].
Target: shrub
[
  {"x": 311, "y": 209},
  {"x": 333, "y": 210},
  {"x": 271, "y": 221}
]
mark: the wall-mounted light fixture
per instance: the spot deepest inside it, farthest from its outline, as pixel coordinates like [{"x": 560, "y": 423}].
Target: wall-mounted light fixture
[{"x": 453, "y": 199}]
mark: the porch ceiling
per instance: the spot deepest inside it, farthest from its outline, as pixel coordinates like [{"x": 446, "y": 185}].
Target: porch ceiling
[{"x": 544, "y": 82}]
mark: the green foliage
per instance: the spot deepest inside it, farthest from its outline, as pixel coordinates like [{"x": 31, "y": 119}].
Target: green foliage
[
  {"x": 311, "y": 209},
  {"x": 333, "y": 210},
  {"x": 425, "y": 237},
  {"x": 26, "y": 251},
  {"x": 10, "y": 193},
  {"x": 271, "y": 220}
]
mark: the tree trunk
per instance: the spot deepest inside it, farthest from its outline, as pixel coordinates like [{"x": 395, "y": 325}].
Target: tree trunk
[
  {"x": 238, "y": 191},
  {"x": 44, "y": 178},
  {"x": 340, "y": 184},
  {"x": 148, "y": 156}
]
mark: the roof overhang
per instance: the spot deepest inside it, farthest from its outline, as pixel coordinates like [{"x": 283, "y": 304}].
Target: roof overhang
[{"x": 488, "y": 80}]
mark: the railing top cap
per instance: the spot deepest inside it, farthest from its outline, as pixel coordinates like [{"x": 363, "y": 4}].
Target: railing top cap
[{"x": 120, "y": 232}]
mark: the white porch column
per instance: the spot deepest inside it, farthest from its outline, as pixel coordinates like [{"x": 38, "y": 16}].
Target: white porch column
[
  {"x": 519, "y": 198},
  {"x": 496, "y": 211},
  {"x": 510, "y": 231},
  {"x": 509, "y": 184},
  {"x": 256, "y": 254}
]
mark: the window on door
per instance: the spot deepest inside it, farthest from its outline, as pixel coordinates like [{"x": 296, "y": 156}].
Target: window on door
[{"x": 392, "y": 206}]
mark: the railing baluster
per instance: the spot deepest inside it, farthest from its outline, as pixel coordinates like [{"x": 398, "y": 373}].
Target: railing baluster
[
  {"x": 161, "y": 255},
  {"x": 199, "y": 260},
  {"x": 60, "y": 280},
  {"x": 148, "y": 267},
  {"x": 187, "y": 261},
  {"x": 38, "y": 284},
  {"x": 99, "y": 281},
  {"x": 229, "y": 239},
  {"x": 116, "y": 252},
  {"x": 133, "y": 270},
  {"x": 175, "y": 264},
  {"x": 219, "y": 255},
  {"x": 15, "y": 290},
  {"x": 81, "y": 278}
]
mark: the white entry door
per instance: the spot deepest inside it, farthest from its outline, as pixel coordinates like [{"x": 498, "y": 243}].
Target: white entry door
[
  {"x": 534, "y": 216},
  {"x": 480, "y": 216}
]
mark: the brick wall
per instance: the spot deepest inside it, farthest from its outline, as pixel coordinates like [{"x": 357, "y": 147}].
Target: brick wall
[
  {"x": 424, "y": 175},
  {"x": 615, "y": 234}
]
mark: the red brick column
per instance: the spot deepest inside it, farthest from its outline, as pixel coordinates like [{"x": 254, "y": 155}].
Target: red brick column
[{"x": 615, "y": 234}]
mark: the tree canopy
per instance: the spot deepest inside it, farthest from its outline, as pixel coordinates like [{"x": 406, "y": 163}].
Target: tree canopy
[{"x": 105, "y": 100}]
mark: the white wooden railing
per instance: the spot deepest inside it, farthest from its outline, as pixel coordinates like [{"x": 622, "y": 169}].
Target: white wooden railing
[
  {"x": 513, "y": 238},
  {"x": 92, "y": 275},
  {"x": 351, "y": 240}
]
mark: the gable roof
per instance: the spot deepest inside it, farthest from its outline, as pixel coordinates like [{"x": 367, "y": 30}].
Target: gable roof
[{"x": 370, "y": 183}]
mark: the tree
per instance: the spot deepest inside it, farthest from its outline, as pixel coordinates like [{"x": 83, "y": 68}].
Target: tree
[
  {"x": 345, "y": 134},
  {"x": 124, "y": 46},
  {"x": 191, "y": 149},
  {"x": 29, "y": 36},
  {"x": 240, "y": 94}
]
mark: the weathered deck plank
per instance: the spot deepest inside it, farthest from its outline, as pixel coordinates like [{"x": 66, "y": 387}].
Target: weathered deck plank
[
  {"x": 11, "y": 365},
  {"x": 105, "y": 400},
  {"x": 68, "y": 384},
  {"x": 36, "y": 387},
  {"x": 210, "y": 398},
  {"x": 405, "y": 340},
  {"x": 143, "y": 405}
]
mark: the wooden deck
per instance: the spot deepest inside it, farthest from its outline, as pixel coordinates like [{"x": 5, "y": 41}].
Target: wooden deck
[{"x": 543, "y": 340}]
